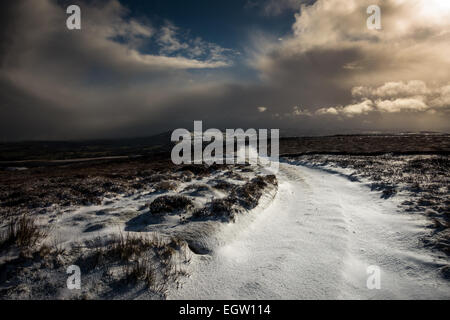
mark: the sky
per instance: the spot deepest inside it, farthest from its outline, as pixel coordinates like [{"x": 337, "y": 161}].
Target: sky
[{"x": 306, "y": 67}]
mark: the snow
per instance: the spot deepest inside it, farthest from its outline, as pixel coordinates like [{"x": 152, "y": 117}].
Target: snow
[
  {"x": 315, "y": 241},
  {"x": 70, "y": 227}
]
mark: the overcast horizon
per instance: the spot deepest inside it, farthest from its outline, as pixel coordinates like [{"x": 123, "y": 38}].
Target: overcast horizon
[{"x": 138, "y": 68}]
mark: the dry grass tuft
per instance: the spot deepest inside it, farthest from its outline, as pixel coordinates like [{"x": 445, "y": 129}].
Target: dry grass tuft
[
  {"x": 141, "y": 270},
  {"x": 149, "y": 260},
  {"x": 170, "y": 204},
  {"x": 164, "y": 186},
  {"x": 22, "y": 232},
  {"x": 244, "y": 196},
  {"x": 127, "y": 247}
]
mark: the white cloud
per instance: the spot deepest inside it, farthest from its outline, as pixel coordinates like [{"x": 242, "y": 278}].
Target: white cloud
[
  {"x": 163, "y": 62},
  {"x": 413, "y": 44},
  {"x": 393, "y": 89},
  {"x": 297, "y": 111},
  {"x": 169, "y": 41},
  {"x": 402, "y": 68},
  {"x": 330, "y": 110},
  {"x": 351, "y": 110},
  {"x": 358, "y": 108},
  {"x": 401, "y": 104},
  {"x": 330, "y": 23},
  {"x": 175, "y": 43},
  {"x": 394, "y": 97},
  {"x": 443, "y": 98},
  {"x": 262, "y": 109}
]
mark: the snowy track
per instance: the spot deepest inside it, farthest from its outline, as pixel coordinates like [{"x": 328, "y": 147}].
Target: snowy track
[{"x": 315, "y": 241}]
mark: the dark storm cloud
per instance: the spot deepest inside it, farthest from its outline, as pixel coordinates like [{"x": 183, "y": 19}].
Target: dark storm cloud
[
  {"x": 27, "y": 116},
  {"x": 7, "y": 14},
  {"x": 104, "y": 81}
]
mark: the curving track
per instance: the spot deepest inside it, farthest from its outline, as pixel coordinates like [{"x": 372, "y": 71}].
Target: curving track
[{"x": 315, "y": 241}]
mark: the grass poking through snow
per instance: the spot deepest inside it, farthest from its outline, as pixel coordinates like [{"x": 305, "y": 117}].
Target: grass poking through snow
[{"x": 22, "y": 232}]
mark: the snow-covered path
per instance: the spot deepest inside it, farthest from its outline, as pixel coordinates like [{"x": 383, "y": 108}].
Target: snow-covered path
[{"x": 315, "y": 241}]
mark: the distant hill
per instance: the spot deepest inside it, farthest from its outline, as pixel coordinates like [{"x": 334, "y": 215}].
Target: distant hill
[
  {"x": 400, "y": 143},
  {"x": 61, "y": 150}
]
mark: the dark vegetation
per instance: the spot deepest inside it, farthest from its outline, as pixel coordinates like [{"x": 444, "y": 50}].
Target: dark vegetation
[
  {"x": 170, "y": 204},
  {"x": 367, "y": 145},
  {"x": 38, "y": 153},
  {"x": 60, "y": 150},
  {"x": 244, "y": 196},
  {"x": 22, "y": 233},
  {"x": 44, "y": 185},
  {"x": 223, "y": 185},
  {"x": 38, "y": 189}
]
